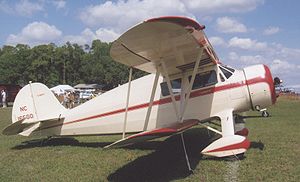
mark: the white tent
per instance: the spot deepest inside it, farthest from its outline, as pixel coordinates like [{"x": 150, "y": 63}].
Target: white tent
[{"x": 61, "y": 89}]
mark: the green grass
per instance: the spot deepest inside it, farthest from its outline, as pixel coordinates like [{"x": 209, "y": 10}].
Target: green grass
[{"x": 273, "y": 156}]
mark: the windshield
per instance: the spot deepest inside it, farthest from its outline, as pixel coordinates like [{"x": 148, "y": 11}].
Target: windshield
[{"x": 227, "y": 71}]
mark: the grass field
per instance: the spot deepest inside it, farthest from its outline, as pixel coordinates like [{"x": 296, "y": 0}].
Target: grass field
[{"x": 273, "y": 156}]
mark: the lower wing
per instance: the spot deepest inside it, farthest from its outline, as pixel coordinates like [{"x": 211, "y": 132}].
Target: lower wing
[{"x": 156, "y": 133}]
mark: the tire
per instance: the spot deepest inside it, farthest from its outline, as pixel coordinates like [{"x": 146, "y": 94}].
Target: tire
[{"x": 265, "y": 114}]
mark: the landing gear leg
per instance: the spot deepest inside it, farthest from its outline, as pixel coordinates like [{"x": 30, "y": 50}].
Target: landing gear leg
[{"x": 185, "y": 153}]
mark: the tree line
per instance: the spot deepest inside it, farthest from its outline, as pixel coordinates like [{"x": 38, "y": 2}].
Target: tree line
[{"x": 67, "y": 64}]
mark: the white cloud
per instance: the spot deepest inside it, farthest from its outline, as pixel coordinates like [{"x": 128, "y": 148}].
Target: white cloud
[
  {"x": 106, "y": 35},
  {"x": 22, "y": 7},
  {"x": 247, "y": 44},
  {"x": 59, "y": 4},
  {"x": 87, "y": 36},
  {"x": 233, "y": 56},
  {"x": 4, "y": 7},
  {"x": 27, "y": 8},
  {"x": 286, "y": 70},
  {"x": 246, "y": 59},
  {"x": 217, "y": 41},
  {"x": 257, "y": 59},
  {"x": 207, "y": 18},
  {"x": 283, "y": 61},
  {"x": 221, "y": 6},
  {"x": 121, "y": 15},
  {"x": 230, "y": 25},
  {"x": 271, "y": 30},
  {"x": 282, "y": 67},
  {"x": 35, "y": 33}
]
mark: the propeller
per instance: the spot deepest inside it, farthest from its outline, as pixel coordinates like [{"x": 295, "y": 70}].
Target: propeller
[{"x": 277, "y": 81}]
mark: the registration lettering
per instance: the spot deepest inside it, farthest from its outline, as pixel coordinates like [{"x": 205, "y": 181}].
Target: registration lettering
[
  {"x": 23, "y": 108},
  {"x": 26, "y": 116}
]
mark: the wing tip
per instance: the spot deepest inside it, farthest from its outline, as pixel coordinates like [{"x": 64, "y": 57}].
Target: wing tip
[{"x": 181, "y": 20}]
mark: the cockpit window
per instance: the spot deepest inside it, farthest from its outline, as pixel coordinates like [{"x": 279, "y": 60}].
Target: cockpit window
[
  {"x": 176, "y": 87},
  {"x": 226, "y": 72},
  {"x": 230, "y": 69},
  {"x": 204, "y": 79}
]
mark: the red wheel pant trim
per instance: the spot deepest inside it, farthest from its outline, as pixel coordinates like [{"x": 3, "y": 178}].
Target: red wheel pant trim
[
  {"x": 244, "y": 144},
  {"x": 243, "y": 132}
]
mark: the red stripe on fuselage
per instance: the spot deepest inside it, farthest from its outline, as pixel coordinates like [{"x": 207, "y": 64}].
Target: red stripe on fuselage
[{"x": 193, "y": 94}]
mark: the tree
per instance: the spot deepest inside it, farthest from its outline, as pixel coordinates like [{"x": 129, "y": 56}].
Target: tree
[
  {"x": 42, "y": 68},
  {"x": 23, "y": 63},
  {"x": 69, "y": 63},
  {"x": 9, "y": 65}
]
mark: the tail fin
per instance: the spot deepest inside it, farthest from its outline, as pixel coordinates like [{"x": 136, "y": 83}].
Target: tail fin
[{"x": 33, "y": 104}]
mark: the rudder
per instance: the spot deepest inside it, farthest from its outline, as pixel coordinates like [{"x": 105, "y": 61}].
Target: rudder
[{"x": 35, "y": 102}]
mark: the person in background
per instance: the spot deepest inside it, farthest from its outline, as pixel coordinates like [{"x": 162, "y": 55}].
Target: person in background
[{"x": 3, "y": 95}]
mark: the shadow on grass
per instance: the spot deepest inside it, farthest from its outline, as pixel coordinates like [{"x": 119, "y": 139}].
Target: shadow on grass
[
  {"x": 257, "y": 145},
  {"x": 167, "y": 162},
  {"x": 58, "y": 142}
]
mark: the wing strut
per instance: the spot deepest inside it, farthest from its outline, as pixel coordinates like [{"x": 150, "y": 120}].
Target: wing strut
[
  {"x": 176, "y": 111},
  {"x": 127, "y": 101},
  {"x": 186, "y": 98},
  {"x": 183, "y": 96},
  {"x": 165, "y": 72},
  {"x": 151, "y": 100},
  {"x": 187, "y": 95}
]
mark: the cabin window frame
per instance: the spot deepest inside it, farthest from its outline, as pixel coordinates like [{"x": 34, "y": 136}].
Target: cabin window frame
[
  {"x": 176, "y": 87},
  {"x": 205, "y": 83}
]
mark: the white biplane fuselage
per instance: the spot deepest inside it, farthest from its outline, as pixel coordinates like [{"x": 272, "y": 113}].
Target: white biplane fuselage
[
  {"x": 105, "y": 113},
  {"x": 189, "y": 86}
]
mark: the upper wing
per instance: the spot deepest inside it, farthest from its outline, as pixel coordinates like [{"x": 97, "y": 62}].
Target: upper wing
[
  {"x": 177, "y": 41},
  {"x": 156, "y": 133}
]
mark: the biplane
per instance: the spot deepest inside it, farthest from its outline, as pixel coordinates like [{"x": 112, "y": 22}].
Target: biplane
[{"x": 187, "y": 86}]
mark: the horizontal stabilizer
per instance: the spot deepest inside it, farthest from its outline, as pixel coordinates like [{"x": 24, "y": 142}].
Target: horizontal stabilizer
[
  {"x": 22, "y": 126},
  {"x": 156, "y": 133},
  {"x": 17, "y": 127},
  {"x": 227, "y": 146}
]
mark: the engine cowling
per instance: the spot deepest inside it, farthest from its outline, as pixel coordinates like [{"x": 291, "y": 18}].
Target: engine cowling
[{"x": 260, "y": 86}]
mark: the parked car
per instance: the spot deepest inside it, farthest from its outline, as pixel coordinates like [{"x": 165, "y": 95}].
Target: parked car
[{"x": 86, "y": 94}]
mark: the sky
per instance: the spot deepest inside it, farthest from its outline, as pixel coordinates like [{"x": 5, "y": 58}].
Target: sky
[{"x": 243, "y": 32}]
